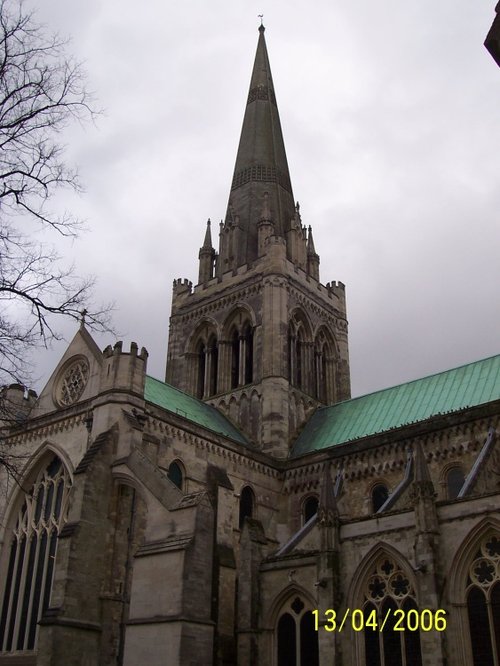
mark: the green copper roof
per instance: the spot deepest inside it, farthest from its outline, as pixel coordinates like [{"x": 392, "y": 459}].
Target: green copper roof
[
  {"x": 166, "y": 396},
  {"x": 466, "y": 386}
]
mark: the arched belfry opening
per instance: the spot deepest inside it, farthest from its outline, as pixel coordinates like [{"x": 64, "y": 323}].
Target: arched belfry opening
[
  {"x": 300, "y": 356},
  {"x": 204, "y": 362},
  {"x": 238, "y": 331}
]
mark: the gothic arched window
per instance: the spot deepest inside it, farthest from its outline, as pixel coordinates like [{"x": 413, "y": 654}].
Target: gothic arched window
[
  {"x": 454, "y": 482},
  {"x": 300, "y": 353},
  {"x": 323, "y": 378},
  {"x": 205, "y": 366},
  {"x": 248, "y": 353},
  {"x": 379, "y": 494},
  {"x": 30, "y": 570},
  {"x": 235, "y": 359},
  {"x": 309, "y": 508},
  {"x": 483, "y": 602},
  {"x": 200, "y": 374},
  {"x": 175, "y": 474},
  {"x": 296, "y": 637},
  {"x": 299, "y": 359},
  {"x": 213, "y": 363},
  {"x": 247, "y": 502},
  {"x": 241, "y": 343},
  {"x": 387, "y": 589}
]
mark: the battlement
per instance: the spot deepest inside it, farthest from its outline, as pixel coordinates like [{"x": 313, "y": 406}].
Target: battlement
[
  {"x": 124, "y": 370},
  {"x": 182, "y": 284},
  {"x": 182, "y": 288},
  {"x": 16, "y": 402},
  {"x": 333, "y": 285},
  {"x": 118, "y": 347}
]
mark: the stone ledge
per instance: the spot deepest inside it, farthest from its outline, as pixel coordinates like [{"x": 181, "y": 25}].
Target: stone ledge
[{"x": 175, "y": 542}]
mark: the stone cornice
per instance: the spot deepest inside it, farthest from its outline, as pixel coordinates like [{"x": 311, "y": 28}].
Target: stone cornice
[{"x": 218, "y": 445}]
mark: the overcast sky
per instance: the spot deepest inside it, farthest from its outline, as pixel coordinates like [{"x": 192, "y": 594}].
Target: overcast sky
[{"x": 391, "y": 118}]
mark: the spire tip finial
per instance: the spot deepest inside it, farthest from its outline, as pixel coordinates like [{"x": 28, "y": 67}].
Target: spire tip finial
[{"x": 261, "y": 26}]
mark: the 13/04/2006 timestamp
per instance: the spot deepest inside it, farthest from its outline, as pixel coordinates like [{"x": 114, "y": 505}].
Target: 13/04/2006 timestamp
[{"x": 392, "y": 620}]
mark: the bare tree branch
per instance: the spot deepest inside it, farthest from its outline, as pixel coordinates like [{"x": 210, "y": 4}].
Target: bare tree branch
[{"x": 42, "y": 90}]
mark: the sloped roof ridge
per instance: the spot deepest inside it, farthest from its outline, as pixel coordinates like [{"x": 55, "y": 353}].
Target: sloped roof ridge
[
  {"x": 174, "y": 388},
  {"x": 415, "y": 401},
  {"x": 219, "y": 423},
  {"x": 412, "y": 381}
]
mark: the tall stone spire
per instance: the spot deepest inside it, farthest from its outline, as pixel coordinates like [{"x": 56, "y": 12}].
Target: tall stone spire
[{"x": 261, "y": 164}]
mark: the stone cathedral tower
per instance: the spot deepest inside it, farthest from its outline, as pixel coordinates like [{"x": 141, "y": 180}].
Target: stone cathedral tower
[{"x": 260, "y": 336}]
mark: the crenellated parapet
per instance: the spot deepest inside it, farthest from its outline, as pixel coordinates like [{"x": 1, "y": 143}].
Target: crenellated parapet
[
  {"x": 16, "y": 402},
  {"x": 124, "y": 370},
  {"x": 182, "y": 288}
]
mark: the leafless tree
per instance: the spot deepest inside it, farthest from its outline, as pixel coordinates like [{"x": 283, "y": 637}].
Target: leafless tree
[{"x": 42, "y": 90}]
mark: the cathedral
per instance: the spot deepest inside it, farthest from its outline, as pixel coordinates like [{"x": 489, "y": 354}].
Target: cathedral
[{"x": 247, "y": 511}]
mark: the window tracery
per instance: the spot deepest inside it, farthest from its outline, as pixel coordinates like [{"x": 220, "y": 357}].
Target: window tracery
[
  {"x": 296, "y": 637},
  {"x": 32, "y": 555},
  {"x": 483, "y": 601},
  {"x": 72, "y": 382},
  {"x": 387, "y": 589}
]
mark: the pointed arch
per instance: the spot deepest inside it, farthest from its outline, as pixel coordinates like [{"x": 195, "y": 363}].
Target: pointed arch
[
  {"x": 379, "y": 550},
  {"x": 309, "y": 507},
  {"x": 383, "y": 583},
  {"x": 238, "y": 334},
  {"x": 292, "y": 622},
  {"x": 379, "y": 493},
  {"x": 300, "y": 351},
  {"x": 286, "y": 594},
  {"x": 29, "y": 471},
  {"x": 37, "y": 516},
  {"x": 124, "y": 477},
  {"x": 474, "y": 590},
  {"x": 247, "y": 505},
  {"x": 451, "y": 479},
  {"x": 465, "y": 554},
  {"x": 325, "y": 355},
  {"x": 238, "y": 315},
  {"x": 202, "y": 350},
  {"x": 177, "y": 473}
]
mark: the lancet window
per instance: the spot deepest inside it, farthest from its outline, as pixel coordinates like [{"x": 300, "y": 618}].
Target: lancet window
[
  {"x": 296, "y": 637},
  {"x": 300, "y": 354},
  {"x": 206, "y": 366},
  {"x": 483, "y": 602},
  {"x": 454, "y": 481},
  {"x": 175, "y": 474},
  {"x": 323, "y": 378},
  {"x": 242, "y": 353},
  {"x": 30, "y": 569},
  {"x": 389, "y": 589},
  {"x": 379, "y": 494},
  {"x": 309, "y": 508},
  {"x": 247, "y": 504}
]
